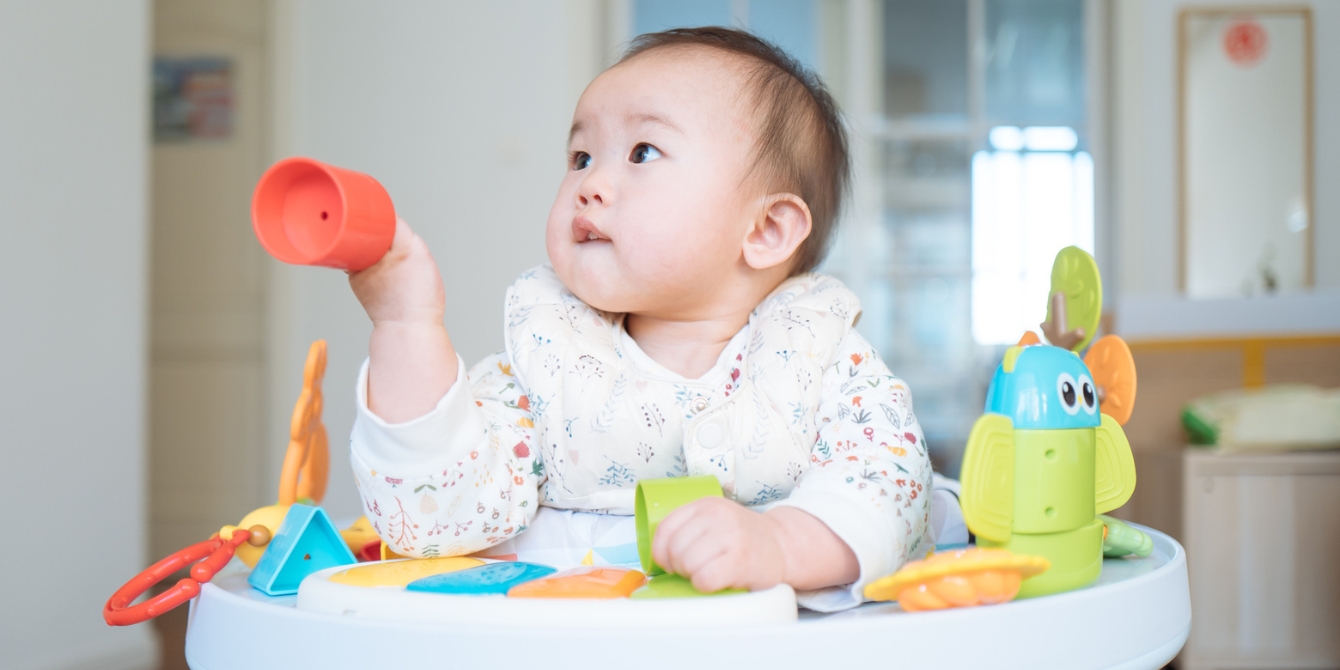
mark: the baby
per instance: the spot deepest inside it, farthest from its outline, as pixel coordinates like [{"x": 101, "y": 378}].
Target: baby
[{"x": 679, "y": 331}]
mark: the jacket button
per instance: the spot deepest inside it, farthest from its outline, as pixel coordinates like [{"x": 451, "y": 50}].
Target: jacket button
[
  {"x": 710, "y": 435},
  {"x": 699, "y": 404}
]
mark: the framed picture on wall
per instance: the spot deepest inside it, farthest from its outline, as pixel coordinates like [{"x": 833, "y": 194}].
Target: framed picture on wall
[
  {"x": 193, "y": 99},
  {"x": 1245, "y": 121}
]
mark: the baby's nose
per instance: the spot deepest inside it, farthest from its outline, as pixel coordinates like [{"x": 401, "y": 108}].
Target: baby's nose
[{"x": 592, "y": 190}]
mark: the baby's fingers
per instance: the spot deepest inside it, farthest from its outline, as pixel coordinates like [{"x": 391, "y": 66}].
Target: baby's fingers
[
  {"x": 697, "y": 547},
  {"x": 718, "y": 573},
  {"x": 402, "y": 244},
  {"x": 675, "y": 535},
  {"x": 404, "y": 236}
]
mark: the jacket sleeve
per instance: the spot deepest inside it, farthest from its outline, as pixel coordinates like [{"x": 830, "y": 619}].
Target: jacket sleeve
[
  {"x": 459, "y": 479},
  {"x": 870, "y": 474}
]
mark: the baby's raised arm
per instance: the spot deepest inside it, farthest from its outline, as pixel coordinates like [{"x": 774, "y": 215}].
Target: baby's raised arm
[
  {"x": 411, "y": 361},
  {"x": 441, "y": 470}
]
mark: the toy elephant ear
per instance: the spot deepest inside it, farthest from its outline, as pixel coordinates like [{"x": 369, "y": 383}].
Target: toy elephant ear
[
  {"x": 987, "y": 478},
  {"x": 1113, "y": 368},
  {"x": 1114, "y": 467}
]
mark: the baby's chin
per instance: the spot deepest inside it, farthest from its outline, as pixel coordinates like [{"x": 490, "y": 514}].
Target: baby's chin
[{"x": 602, "y": 290}]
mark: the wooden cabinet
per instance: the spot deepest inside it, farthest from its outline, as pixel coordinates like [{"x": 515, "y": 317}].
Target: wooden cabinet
[{"x": 1262, "y": 536}]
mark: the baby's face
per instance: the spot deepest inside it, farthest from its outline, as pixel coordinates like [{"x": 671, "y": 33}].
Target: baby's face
[{"x": 652, "y": 213}]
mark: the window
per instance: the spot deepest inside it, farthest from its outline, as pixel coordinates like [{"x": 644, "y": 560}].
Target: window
[
  {"x": 985, "y": 175},
  {"x": 971, "y": 142},
  {"x": 1032, "y": 195},
  {"x": 1032, "y": 180}
]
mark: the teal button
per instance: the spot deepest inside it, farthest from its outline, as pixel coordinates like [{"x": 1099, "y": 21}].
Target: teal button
[{"x": 491, "y": 579}]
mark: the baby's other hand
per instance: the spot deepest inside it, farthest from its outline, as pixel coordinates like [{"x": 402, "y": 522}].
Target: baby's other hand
[
  {"x": 720, "y": 544},
  {"x": 404, "y": 286}
]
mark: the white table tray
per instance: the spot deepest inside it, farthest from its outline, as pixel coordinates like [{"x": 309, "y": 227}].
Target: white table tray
[{"x": 1137, "y": 615}]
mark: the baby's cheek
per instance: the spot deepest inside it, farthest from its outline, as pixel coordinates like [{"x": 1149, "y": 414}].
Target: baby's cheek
[{"x": 672, "y": 255}]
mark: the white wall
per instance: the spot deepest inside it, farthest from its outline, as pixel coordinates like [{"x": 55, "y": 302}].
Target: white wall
[
  {"x": 462, "y": 111},
  {"x": 1144, "y": 153},
  {"x": 73, "y": 234}
]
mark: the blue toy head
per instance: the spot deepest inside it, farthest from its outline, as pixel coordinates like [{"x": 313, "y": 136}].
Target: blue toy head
[{"x": 1041, "y": 387}]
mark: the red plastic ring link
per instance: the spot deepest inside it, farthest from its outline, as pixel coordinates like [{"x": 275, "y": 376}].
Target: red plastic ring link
[{"x": 215, "y": 552}]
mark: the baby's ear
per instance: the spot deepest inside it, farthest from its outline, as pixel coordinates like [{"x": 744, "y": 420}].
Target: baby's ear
[{"x": 781, "y": 226}]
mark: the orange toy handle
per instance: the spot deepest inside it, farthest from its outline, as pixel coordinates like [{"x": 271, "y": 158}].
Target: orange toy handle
[
  {"x": 307, "y": 461},
  {"x": 213, "y": 554}
]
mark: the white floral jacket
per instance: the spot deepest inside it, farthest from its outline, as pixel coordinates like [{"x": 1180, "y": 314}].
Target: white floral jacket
[{"x": 799, "y": 411}]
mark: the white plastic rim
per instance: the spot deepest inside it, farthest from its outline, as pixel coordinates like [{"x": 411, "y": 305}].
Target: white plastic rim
[
  {"x": 1137, "y": 615},
  {"x": 388, "y": 603}
]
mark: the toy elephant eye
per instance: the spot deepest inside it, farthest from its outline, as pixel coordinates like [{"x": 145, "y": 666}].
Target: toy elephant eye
[
  {"x": 1088, "y": 393},
  {"x": 1068, "y": 391}
]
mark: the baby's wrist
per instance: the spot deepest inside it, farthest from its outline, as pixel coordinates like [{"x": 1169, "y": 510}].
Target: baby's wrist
[
  {"x": 410, "y": 320},
  {"x": 780, "y": 536},
  {"x": 397, "y": 338},
  {"x": 813, "y": 556},
  {"x": 783, "y": 538}
]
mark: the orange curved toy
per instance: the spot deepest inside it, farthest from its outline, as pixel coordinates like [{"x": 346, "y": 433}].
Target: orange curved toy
[
  {"x": 1113, "y": 368},
  {"x": 307, "y": 461},
  {"x": 1028, "y": 339},
  {"x": 306, "y": 469},
  {"x": 961, "y": 578},
  {"x": 213, "y": 554}
]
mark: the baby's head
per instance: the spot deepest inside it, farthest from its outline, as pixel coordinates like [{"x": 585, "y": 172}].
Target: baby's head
[{"x": 704, "y": 168}]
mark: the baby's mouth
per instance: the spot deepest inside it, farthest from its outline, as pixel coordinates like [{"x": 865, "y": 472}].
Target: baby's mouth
[{"x": 584, "y": 231}]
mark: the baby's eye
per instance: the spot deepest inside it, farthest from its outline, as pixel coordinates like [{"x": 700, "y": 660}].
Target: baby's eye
[
  {"x": 580, "y": 160},
  {"x": 643, "y": 153}
]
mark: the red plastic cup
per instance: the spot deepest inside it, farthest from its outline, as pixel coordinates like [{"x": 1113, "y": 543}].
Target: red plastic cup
[{"x": 308, "y": 213}]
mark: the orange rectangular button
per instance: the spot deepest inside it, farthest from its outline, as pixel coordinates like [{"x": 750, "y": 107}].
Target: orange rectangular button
[{"x": 588, "y": 582}]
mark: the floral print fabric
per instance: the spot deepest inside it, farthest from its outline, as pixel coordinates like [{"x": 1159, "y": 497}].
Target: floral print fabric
[{"x": 798, "y": 411}]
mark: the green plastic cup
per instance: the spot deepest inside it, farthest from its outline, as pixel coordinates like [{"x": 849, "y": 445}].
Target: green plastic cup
[{"x": 656, "y": 499}]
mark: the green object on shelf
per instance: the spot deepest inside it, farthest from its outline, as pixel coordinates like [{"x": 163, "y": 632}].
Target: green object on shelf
[
  {"x": 656, "y": 499},
  {"x": 674, "y": 586},
  {"x": 1200, "y": 431},
  {"x": 1277, "y": 417},
  {"x": 1075, "y": 275}
]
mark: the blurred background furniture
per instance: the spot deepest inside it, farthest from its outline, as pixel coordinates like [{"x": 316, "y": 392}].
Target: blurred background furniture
[
  {"x": 1261, "y": 534},
  {"x": 1259, "y": 529}
]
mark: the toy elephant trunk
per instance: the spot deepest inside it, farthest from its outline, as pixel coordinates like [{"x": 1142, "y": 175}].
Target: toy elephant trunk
[{"x": 1042, "y": 463}]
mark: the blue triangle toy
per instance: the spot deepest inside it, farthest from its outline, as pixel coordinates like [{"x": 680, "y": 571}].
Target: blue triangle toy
[{"x": 306, "y": 542}]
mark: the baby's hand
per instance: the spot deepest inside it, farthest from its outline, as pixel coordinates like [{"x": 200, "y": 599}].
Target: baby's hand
[
  {"x": 404, "y": 286},
  {"x": 720, "y": 544},
  {"x": 412, "y": 363}
]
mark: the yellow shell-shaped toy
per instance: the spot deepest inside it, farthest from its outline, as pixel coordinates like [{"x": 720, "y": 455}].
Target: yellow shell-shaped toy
[{"x": 961, "y": 578}]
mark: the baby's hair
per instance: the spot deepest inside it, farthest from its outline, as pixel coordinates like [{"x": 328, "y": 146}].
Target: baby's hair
[{"x": 802, "y": 147}]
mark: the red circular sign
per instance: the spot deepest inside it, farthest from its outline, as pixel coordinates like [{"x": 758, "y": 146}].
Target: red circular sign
[{"x": 1245, "y": 42}]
